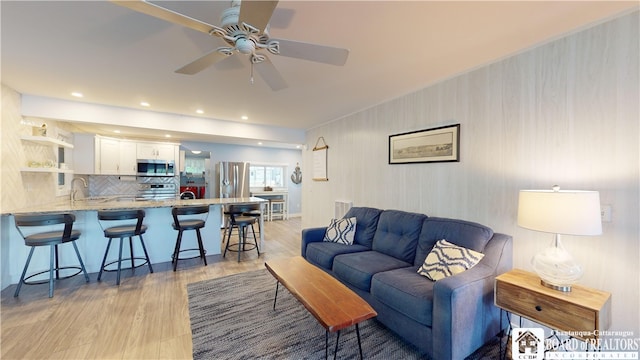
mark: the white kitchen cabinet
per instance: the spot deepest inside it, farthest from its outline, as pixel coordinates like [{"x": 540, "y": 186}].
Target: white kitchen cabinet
[
  {"x": 109, "y": 156},
  {"x": 98, "y": 155},
  {"x": 117, "y": 157},
  {"x": 128, "y": 160},
  {"x": 85, "y": 154},
  {"x": 156, "y": 151}
]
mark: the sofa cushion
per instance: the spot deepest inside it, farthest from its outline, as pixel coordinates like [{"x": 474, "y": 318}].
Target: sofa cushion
[
  {"x": 341, "y": 231},
  {"x": 356, "y": 269},
  {"x": 397, "y": 234},
  {"x": 322, "y": 253},
  {"x": 367, "y": 221},
  {"x": 447, "y": 259},
  {"x": 462, "y": 233},
  {"x": 406, "y": 292}
]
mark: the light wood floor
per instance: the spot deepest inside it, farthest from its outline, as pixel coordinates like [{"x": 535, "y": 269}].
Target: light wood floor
[{"x": 146, "y": 317}]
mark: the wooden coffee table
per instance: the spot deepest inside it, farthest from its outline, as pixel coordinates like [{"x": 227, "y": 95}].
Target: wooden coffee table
[{"x": 334, "y": 305}]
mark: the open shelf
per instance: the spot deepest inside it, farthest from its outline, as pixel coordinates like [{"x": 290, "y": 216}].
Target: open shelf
[
  {"x": 46, "y": 170},
  {"x": 43, "y": 140}
]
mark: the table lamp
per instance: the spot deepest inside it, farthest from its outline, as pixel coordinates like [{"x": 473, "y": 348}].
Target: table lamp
[{"x": 569, "y": 212}]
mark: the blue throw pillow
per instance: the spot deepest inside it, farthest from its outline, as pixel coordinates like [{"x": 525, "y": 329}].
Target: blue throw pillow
[{"x": 341, "y": 231}]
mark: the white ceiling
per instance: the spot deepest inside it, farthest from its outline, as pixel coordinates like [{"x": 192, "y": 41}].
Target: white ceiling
[{"x": 118, "y": 57}]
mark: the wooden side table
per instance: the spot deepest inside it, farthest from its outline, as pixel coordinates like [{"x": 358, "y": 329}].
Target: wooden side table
[{"x": 581, "y": 313}]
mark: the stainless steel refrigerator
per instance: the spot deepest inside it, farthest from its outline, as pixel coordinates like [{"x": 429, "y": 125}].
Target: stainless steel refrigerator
[{"x": 232, "y": 179}]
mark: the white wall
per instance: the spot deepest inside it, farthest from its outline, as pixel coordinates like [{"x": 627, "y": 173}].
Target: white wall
[{"x": 563, "y": 113}]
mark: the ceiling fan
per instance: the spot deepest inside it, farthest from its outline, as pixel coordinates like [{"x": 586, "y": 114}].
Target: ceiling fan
[{"x": 245, "y": 28}]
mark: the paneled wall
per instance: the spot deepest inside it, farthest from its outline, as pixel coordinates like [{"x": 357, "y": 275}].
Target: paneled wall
[
  {"x": 20, "y": 189},
  {"x": 563, "y": 113}
]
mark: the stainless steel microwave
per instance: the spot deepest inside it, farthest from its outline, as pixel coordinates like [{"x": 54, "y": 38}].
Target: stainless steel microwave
[{"x": 151, "y": 167}]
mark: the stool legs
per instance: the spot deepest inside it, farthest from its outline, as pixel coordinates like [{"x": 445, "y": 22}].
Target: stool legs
[
  {"x": 201, "y": 247},
  {"x": 146, "y": 254},
  {"x": 176, "y": 250},
  {"x": 104, "y": 259},
  {"x": 53, "y": 267},
  {"x": 84, "y": 270},
  {"x": 106, "y": 252},
  {"x": 242, "y": 239},
  {"x": 52, "y": 259},
  {"x": 24, "y": 272}
]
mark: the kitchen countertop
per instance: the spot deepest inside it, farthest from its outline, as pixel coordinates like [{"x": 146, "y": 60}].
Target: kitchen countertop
[{"x": 112, "y": 203}]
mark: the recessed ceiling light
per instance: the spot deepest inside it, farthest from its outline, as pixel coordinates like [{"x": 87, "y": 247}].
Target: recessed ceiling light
[
  {"x": 116, "y": 131},
  {"x": 77, "y": 94},
  {"x": 145, "y": 104},
  {"x": 244, "y": 117},
  {"x": 200, "y": 111},
  {"x": 167, "y": 136},
  {"x": 259, "y": 143}
]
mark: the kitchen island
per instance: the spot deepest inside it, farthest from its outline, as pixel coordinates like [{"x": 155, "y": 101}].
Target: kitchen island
[{"x": 160, "y": 237}]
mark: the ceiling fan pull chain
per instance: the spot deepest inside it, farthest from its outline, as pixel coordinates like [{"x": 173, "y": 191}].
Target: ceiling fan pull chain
[{"x": 251, "y": 80}]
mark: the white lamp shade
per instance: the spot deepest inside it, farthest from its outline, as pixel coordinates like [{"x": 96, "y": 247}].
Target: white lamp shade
[{"x": 567, "y": 212}]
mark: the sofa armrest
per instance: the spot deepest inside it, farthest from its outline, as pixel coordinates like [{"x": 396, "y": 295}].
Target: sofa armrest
[
  {"x": 311, "y": 235},
  {"x": 464, "y": 314}
]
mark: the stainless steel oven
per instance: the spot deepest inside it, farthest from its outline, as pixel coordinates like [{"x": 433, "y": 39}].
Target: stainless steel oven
[
  {"x": 152, "y": 167},
  {"x": 157, "y": 188}
]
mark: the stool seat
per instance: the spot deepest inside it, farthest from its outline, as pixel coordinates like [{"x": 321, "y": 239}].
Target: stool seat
[
  {"x": 189, "y": 224},
  {"x": 244, "y": 220},
  {"x": 48, "y": 238},
  {"x": 124, "y": 231},
  {"x": 121, "y": 232}
]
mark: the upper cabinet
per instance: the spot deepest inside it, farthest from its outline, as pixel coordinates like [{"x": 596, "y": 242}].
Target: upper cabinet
[
  {"x": 117, "y": 157},
  {"x": 100, "y": 155},
  {"x": 157, "y": 151}
]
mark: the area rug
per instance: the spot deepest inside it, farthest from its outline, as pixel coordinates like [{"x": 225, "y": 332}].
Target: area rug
[{"x": 233, "y": 318}]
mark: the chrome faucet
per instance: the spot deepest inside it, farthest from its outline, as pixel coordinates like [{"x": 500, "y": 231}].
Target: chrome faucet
[{"x": 73, "y": 192}]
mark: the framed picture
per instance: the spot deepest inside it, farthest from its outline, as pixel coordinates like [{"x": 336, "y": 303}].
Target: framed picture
[{"x": 441, "y": 144}]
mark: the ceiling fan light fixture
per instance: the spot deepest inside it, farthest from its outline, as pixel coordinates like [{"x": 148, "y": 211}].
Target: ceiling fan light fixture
[{"x": 245, "y": 46}]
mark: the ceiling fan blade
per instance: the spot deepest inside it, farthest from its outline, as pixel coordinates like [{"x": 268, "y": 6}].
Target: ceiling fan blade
[
  {"x": 313, "y": 52},
  {"x": 256, "y": 13},
  {"x": 270, "y": 74},
  {"x": 202, "y": 63},
  {"x": 159, "y": 12}
]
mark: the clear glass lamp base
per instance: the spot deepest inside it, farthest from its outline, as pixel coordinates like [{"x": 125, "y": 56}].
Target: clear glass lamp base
[{"x": 556, "y": 267}]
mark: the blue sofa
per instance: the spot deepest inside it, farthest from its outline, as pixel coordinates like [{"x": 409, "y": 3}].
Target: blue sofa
[{"x": 446, "y": 319}]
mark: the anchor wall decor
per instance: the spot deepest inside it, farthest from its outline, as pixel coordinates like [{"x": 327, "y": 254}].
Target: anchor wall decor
[{"x": 296, "y": 177}]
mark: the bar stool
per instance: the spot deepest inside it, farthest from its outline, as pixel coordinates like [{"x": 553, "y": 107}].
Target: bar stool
[
  {"x": 51, "y": 239},
  {"x": 181, "y": 224},
  {"x": 241, "y": 222},
  {"x": 255, "y": 212},
  {"x": 277, "y": 208},
  {"x": 252, "y": 210},
  {"x": 122, "y": 231}
]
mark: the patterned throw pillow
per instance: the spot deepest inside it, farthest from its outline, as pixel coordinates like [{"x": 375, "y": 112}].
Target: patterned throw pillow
[
  {"x": 447, "y": 259},
  {"x": 341, "y": 231}
]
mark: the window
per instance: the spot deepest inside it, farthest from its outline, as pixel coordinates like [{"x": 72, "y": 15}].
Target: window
[
  {"x": 267, "y": 175},
  {"x": 194, "y": 165}
]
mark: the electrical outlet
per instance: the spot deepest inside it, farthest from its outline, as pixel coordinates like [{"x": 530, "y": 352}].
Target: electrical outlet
[{"x": 605, "y": 213}]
